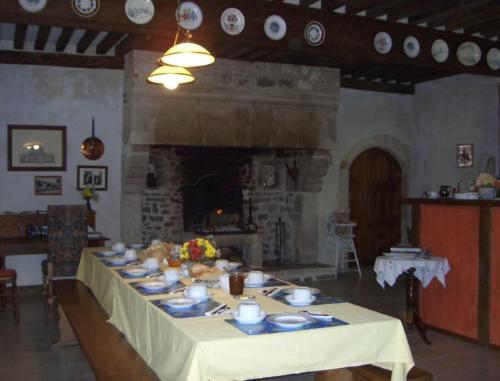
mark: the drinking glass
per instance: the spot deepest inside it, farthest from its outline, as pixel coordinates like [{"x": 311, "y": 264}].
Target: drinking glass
[{"x": 236, "y": 283}]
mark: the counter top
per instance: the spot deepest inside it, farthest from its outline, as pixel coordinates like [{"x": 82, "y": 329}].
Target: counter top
[{"x": 452, "y": 201}]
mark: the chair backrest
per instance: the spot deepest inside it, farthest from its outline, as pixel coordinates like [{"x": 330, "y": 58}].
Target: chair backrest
[
  {"x": 67, "y": 237},
  {"x": 337, "y": 217}
]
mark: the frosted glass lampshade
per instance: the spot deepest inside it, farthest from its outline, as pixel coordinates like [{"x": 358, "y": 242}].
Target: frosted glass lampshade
[
  {"x": 170, "y": 76},
  {"x": 187, "y": 54}
]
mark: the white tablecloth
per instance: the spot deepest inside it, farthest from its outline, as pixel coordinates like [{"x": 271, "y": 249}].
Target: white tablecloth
[{"x": 388, "y": 269}]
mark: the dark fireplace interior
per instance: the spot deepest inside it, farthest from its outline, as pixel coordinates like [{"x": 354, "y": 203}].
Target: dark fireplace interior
[{"x": 214, "y": 179}]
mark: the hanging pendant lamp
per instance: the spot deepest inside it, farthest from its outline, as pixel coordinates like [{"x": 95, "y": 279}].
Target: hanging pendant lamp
[
  {"x": 187, "y": 54},
  {"x": 170, "y": 76}
]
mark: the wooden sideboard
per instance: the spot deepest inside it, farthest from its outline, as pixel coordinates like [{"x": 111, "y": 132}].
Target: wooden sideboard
[
  {"x": 13, "y": 240},
  {"x": 467, "y": 233}
]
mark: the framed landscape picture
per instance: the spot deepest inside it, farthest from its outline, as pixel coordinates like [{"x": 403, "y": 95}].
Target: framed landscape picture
[
  {"x": 48, "y": 185},
  {"x": 36, "y": 148},
  {"x": 92, "y": 176},
  {"x": 464, "y": 155}
]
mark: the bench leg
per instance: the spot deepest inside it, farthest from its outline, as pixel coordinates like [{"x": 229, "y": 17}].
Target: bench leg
[
  {"x": 334, "y": 375},
  {"x": 66, "y": 335}
]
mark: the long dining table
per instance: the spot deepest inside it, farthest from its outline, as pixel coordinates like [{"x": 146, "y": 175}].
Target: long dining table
[{"x": 209, "y": 348}]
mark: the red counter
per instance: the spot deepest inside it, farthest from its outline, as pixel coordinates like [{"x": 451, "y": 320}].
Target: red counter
[{"x": 467, "y": 233}]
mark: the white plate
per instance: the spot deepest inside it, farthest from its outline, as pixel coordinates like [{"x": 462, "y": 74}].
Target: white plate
[
  {"x": 440, "y": 50},
  {"x": 275, "y": 27},
  {"x": 493, "y": 58},
  {"x": 411, "y": 46},
  {"x": 382, "y": 42},
  {"x": 249, "y": 320},
  {"x": 86, "y": 8},
  {"x": 136, "y": 245},
  {"x": 234, "y": 265},
  {"x": 189, "y": 15},
  {"x": 232, "y": 21},
  {"x": 153, "y": 286},
  {"x": 314, "y": 33},
  {"x": 301, "y": 303},
  {"x": 469, "y": 53},
  {"x": 136, "y": 272},
  {"x": 289, "y": 320},
  {"x": 33, "y": 5},
  {"x": 179, "y": 303},
  {"x": 109, "y": 253},
  {"x": 313, "y": 290},
  {"x": 399, "y": 255},
  {"x": 118, "y": 261},
  {"x": 139, "y": 11}
]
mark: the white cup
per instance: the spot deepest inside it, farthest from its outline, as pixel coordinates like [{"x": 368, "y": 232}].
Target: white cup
[
  {"x": 155, "y": 241},
  {"x": 130, "y": 254},
  {"x": 301, "y": 294},
  {"x": 224, "y": 282},
  {"x": 197, "y": 291},
  {"x": 222, "y": 264},
  {"x": 171, "y": 275},
  {"x": 255, "y": 277},
  {"x": 151, "y": 263},
  {"x": 119, "y": 246},
  {"x": 433, "y": 194},
  {"x": 248, "y": 310}
]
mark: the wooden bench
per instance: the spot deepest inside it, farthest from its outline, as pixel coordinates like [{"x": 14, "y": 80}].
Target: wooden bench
[
  {"x": 369, "y": 373},
  {"x": 108, "y": 352}
]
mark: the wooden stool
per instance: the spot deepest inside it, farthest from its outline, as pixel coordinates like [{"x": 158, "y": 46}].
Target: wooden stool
[
  {"x": 8, "y": 295},
  {"x": 374, "y": 373}
]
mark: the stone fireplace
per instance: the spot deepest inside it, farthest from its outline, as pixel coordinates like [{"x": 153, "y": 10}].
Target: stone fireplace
[{"x": 260, "y": 132}]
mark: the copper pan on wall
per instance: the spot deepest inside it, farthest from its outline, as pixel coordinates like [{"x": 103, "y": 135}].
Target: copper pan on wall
[{"x": 92, "y": 147}]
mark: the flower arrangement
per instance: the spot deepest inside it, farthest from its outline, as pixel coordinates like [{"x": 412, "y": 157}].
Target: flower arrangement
[
  {"x": 197, "y": 250},
  {"x": 88, "y": 193},
  {"x": 485, "y": 180}
]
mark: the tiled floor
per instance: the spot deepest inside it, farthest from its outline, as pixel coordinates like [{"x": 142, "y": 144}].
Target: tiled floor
[{"x": 25, "y": 352}]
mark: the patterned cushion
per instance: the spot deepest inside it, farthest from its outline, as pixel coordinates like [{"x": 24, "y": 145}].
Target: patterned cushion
[{"x": 67, "y": 237}]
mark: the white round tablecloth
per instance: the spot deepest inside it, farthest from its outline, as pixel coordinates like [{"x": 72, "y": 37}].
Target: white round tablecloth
[{"x": 388, "y": 269}]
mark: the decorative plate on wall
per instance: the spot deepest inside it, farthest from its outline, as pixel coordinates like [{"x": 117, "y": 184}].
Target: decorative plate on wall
[
  {"x": 139, "y": 11},
  {"x": 469, "y": 53},
  {"x": 33, "y": 5},
  {"x": 86, "y": 8},
  {"x": 411, "y": 46},
  {"x": 382, "y": 42},
  {"x": 189, "y": 15},
  {"x": 493, "y": 59},
  {"x": 314, "y": 33},
  {"x": 232, "y": 21},
  {"x": 440, "y": 50},
  {"x": 275, "y": 27}
]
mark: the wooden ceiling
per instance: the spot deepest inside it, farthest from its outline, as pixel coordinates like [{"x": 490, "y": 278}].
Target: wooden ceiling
[{"x": 58, "y": 36}]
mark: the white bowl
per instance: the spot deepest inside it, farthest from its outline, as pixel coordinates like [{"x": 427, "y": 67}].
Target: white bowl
[
  {"x": 136, "y": 272},
  {"x": 118, "y": 261},
  {"x": 249, "y": 319},
  {"x": 299, "y": 303}
]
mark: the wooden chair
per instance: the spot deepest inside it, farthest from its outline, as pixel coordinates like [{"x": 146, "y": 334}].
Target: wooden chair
[
  {"x": 8, "y": 295},
  {"x": 67, "y": 239}
]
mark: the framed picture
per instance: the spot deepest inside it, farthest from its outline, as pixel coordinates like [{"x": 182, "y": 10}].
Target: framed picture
[
  {"x": 36, "y": 148},
  {"x": 92, "y": 176},
  {"x": 48, "y": 185},
  {"x": 464, "y": 155}
]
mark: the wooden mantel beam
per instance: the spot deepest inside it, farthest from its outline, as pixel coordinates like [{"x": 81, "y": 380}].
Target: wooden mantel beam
[{"x": 347, "y": 37}]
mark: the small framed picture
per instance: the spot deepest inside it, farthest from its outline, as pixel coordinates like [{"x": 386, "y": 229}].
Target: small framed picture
[
  {"x": 92, "y": 176},
  {"x": 48, "y": 185},
  {"x": 464, "y": 155}
]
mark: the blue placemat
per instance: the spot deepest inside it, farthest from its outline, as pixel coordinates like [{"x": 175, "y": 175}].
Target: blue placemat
[
  {"x": 197, "y": 310},
  {"x": 272, "y": 283},
  {"x": 320, "y": 298},
  {"x": 99, "y": 254},
  {"x": 266, "y": 327},
  {"x": 127, "y": 276},
  {"x": 172, "y": 288}
]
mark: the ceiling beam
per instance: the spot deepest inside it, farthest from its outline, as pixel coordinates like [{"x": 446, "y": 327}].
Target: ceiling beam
[
  {"x": 479, "y": 16},
  {"x": 383, "y": 87},
  {"x": 108, "y": 42},
  {"x": 42, "y": 37},
  {"x": 63, "y": 39},
  {"x": 20, "y": 35},
  {"x": 66, "y": 60},
  {"x": 86, "y": 40},
  {"x": 435, "y": 19}
]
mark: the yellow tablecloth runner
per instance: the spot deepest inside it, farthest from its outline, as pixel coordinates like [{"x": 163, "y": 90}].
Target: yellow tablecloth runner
[{"x": 207, "y": 348}]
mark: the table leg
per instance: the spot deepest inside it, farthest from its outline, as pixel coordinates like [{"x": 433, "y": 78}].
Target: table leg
[{"x": 412, "y": 298}]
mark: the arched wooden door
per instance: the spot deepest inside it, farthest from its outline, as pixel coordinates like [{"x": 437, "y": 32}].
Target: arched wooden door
[{"x": 375, "y": 202}]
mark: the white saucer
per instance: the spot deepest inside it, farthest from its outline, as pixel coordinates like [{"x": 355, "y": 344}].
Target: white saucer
[
  {"x": 179, "y": 303},
  {"x": 189, "y": 15},
  {"x": 313, "y": 290},
  {"x": 109, "y": 253},
  {"x": 493, "y": 59},
  {"x": 300, "y": 303},
  {"x": 153, "y": 286},
  {"x": 232, "y": 21},
  {"x": 469, "y": 53},
  {"x": 33, "y": 5},
  {"x": 290, "y": 320},
  {"x": 136, "y": 272},
  {"x": 139, "y": 11},
  {"x": 411, "y": 46},
  {"x": 234, "y": 265},
  {"x": 440, "y": 50},
  {"x": 198, "y": 299},
  {"x": 118, "y": 261},
  {"x": 136, "y": 245},
  {"x": 382, "y": 42},
  {"x": 314, "y": 33},
  {"x": 275, "y": 27},
  {"x": 249, "y": 320}
]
